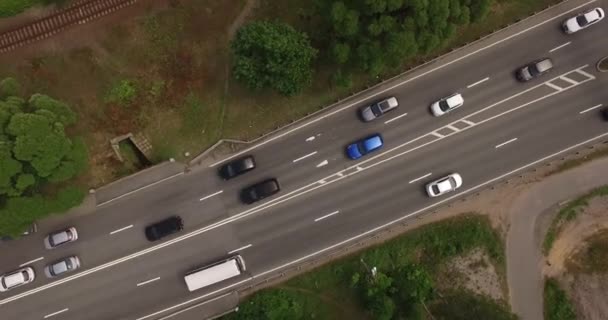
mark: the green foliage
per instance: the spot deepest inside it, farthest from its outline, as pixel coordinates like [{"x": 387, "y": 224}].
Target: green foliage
[
  {"x": 9, "y": 87},
  {"x": 122, "y": 92},
  {"x": 465, "y": 305},
  {"x": 557, "y": 306},
  {"x": 273, "y": 55},
  {"x": 568, "y": 213},
  {"x": 384, "y": 33},
  {"x": 280, "y": 304},
  {"x": 35, "y": 151}
]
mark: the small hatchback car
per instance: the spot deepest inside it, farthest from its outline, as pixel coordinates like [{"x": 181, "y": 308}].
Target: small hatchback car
[
  {"x": 364, "y": 146},
  {"x": 447, "y": 104},
  {"x": 16, "y": 278},
  {"x": 58, "y": 238},
  {"x": 534, "y": 69},
  {"x": 57, "y": 268}
]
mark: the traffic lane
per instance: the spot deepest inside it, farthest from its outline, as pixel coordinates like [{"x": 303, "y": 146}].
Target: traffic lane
[
  {"x": 358, "y": 216},
  {"x": 492, "y": 134},
  {"x": 521, "y": 50},
  {"x": 116, "y": 286}
]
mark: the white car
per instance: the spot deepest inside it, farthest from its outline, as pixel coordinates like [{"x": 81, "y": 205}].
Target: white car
[
  {"x": 444, "y": 185},
  {"x": 62, "y": 266},
  {"x": 447, "y": 104},
  {"x": 583, "y": 20},
  {"x": 16, "y": 278},
  {"x": 58, "y": 238}
]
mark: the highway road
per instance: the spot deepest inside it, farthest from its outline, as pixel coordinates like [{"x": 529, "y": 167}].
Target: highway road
[{"x": 329, "y": 201}]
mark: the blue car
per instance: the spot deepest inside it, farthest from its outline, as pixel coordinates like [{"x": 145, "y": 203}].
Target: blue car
[{"x": 362, "y": 147}]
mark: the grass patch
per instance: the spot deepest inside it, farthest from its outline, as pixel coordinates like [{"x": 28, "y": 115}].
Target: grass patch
[
  {"x": 573, "y": 163},
  {"x": 427, "y": 250},
  {"x": 10, "y": 8},
  {"x": 593, "y": 258},
  {"x": 568, "y": 213},
  {"x": 557, "y": 306}
]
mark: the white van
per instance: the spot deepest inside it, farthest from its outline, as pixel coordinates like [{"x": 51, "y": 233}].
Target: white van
[{"x": 215, "y": 273}]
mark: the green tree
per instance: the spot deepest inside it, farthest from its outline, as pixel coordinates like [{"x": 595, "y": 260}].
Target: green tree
[
  {"x": 273, "y": 55},
  {"x": 9, "y": 87}
]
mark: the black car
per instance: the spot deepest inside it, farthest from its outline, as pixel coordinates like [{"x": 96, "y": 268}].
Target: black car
[
  {"x": 260, "y": 191},
  {"x": 237, "y": 167},
  {"x": 164, "y": 228},
  {"x": 605, "y": 113}
]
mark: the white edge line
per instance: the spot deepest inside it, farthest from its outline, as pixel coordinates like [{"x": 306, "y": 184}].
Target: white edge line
[
  {"x": 211, "y": 195},
  {"x": 30, "y": 262},
  {"x": 420, "y": 178},
  {"x": 403, "y": 82},
  {"x": 139, "y": 189},
  {"x": 148, "y": 281},
  {"x": 560, "y": 46},
  {"x": 240, "y": 249},
  {"x": 304, "y": 157},
  {"x": 395, "y": 118},
  {"x": 327, "y": 215},
  {"x": 55, "y": 313},
  {"x": 374, "y": 229},
  {"x": 596, "y": 106},
  {"x": 192, "y": 307},
  {"x": 121, "y": 229},
  {"x": 478, "y": 82},
  {"x": 506, "y": 142},
  {"x": 278, "y": 200}
]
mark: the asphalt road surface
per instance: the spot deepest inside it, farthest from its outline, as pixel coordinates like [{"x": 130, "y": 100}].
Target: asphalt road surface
[{"x": 329, "y": 201}]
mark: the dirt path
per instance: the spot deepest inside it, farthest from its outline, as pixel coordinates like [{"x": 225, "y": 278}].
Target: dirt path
[{"x": 524, "y": 258}]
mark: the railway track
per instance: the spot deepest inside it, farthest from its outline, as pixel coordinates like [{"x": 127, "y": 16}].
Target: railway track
[{"x": 79, "y": 12}]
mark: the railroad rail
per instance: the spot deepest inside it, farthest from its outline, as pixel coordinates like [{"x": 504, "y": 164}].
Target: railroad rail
[{"x": 80, "y": 12}]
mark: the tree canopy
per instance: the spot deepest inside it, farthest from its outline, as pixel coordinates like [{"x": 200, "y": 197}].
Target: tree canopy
[
  {"x": 273, "y": 55},
  {"x": 375, "y": 34},
  {"x": 34, "y": 151}
]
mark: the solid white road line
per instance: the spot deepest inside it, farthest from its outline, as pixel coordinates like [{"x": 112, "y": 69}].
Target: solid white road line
[
  {"x": 594, "y": 107},
  {"x": 406, "y": 216},
  {"x": 148, "y": 281},
  {"x": 196, "y": 306},
  {"x": 322, "y": 163},
  {"x": 121, "y": 229},
  {"x": 348, "y": 106},
  {"x": 420, "y": 178},
  {"x": 139, "y": 189},
  {"x": 304, "y": 157},
  {"x": 55, "y": 313},
  {"x": 556, "y": 87},
  {"x": 240, "y": 249},
  {"x": 561, "y": 46},
  {"x": 30, "y": 262},
  {"x": 478, "y": 82},
  {"x": 311, "y": 138},
  {"x": 395, "y": 118},
  {"x": 211, "y": 195},
  {"x": 327, "y": 216},
  {"x": 506, "y": 142}
]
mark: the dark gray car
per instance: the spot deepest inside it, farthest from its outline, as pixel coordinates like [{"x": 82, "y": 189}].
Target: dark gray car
[
  {"x": 534, "y": 69},
  {"x": 57, "y": 268}
]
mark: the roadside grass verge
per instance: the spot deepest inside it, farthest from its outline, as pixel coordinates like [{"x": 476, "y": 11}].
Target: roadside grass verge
[
  {"x": 593, "y": 257},
  {"x": 568, "y": 213},
  {"x": 557, "y": 306},
  {"x": 336, "y": 287},
  {"x": 10, "y": 8}
]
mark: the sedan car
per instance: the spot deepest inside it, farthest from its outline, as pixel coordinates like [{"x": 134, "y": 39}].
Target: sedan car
[
  {"x": 447, "y": 104},
  {"x": 377, "y": 109},
  {"x": 444, "y": 185},
  {"x": 364, "y": 146},
  {"x": 534, "y": 69},
  {"x": 57, "y": 268},
  {"x": 237, "y": 167},
  {"x": 583, "y": 20},
  {"x": 164, "y": 228},
  {"x": 260, "y": 191},
  {"x": 16, "y": 278},
  {"x": 58, "y": 238}
]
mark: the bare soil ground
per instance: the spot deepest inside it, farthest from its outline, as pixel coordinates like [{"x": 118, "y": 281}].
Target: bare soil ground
[
  {"x": 588, "y": 293},
  {"x": 476, "y": 273}
]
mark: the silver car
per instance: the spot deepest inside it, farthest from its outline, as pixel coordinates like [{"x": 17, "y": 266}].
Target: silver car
[
  {"x": 62, "y": 266},
  {"x": 377, "y": 109},
  {"x": 58, "y": 238}
]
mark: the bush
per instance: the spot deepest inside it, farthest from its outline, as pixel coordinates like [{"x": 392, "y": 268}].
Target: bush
[
  {"x": 465, "y": 305},
  {"x": 9, "y": 87},
  {"x": 557, "y": 306},
  {"x": 123, "y": 92}
]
